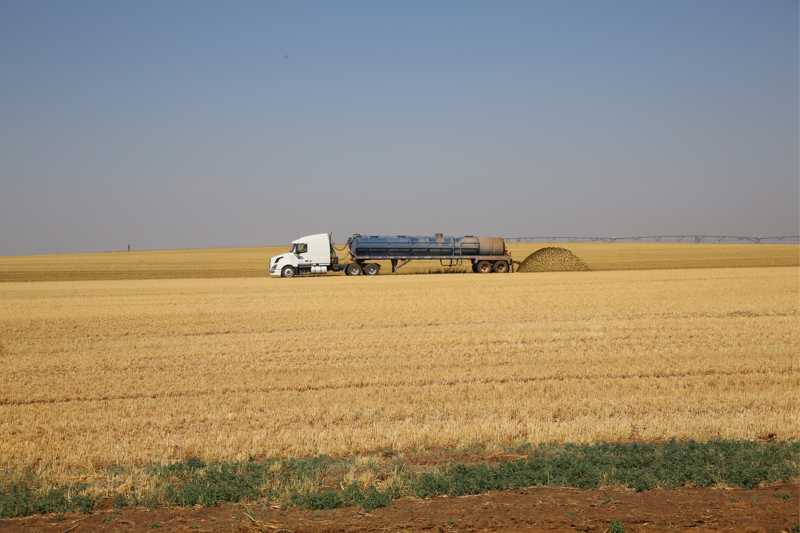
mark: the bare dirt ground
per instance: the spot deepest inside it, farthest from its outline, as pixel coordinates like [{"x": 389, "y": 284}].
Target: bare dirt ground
[{"x": 768, "y": 509}]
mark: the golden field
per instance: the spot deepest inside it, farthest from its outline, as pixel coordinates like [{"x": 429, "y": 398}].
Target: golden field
[
  {"x": 252, "y": 262},
  {"x": 96, "y": 373}
]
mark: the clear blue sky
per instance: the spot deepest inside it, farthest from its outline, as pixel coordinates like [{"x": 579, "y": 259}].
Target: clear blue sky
[{"x": 181, "y": 124}]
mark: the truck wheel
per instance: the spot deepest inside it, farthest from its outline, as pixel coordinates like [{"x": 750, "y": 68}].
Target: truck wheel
[
  {"x": 501, "y": 267},
  {"x": 484, "y": 267},
  {"x": 370, "y": 269},
  {"x": 288, "y": 271},
  {"x": 353, "y": 269}
]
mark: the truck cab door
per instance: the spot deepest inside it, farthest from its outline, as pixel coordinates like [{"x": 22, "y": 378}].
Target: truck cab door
[
  {"x": 301, "y": 251},
  {"x": 312, "y": 250}
]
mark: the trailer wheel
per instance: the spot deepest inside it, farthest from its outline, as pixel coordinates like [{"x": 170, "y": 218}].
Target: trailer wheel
[
  {"x": 484, "y": 267},
  {"x": 501, "y": 267},
  {"x": 353, "y": 269},
  {"x": 288, "y": 271},
  {"x": 371, "y": 269}
]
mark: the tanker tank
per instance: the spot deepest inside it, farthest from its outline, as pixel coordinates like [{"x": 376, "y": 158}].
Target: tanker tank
[{"x": 424, "y": 246}]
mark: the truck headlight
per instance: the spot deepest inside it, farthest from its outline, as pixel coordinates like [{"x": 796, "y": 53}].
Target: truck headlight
[{"x": 274, "y": 264}]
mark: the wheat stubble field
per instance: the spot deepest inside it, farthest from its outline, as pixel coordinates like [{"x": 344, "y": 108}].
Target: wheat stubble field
[
  {"x": 186, "y": 378},
  {"x": 136, "y": 372}
]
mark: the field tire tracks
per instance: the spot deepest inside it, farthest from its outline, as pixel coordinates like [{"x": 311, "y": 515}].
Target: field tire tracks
[{"x": 7, "y": 402}]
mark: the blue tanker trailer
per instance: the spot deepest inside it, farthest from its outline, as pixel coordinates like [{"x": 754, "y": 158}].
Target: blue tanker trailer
[{"x": 315, "y": 254}]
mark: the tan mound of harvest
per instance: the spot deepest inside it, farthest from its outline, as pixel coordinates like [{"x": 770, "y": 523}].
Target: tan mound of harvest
[{"x": 552, "y": 259}]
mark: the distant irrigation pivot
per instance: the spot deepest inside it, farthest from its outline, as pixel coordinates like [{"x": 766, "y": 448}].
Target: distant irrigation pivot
[{"x": 758, "y": 239}]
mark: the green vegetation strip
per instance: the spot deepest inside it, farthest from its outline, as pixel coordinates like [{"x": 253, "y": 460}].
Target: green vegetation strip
[{"x": 370, "y": 482}]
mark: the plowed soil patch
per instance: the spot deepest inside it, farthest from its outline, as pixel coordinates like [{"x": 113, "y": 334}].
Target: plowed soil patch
[
  {"x": 537, "y": 509},
  {"x": 552, "y": 259}
]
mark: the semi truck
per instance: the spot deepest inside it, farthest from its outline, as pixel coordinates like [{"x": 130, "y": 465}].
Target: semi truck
[{"x": 316, "y": 254}]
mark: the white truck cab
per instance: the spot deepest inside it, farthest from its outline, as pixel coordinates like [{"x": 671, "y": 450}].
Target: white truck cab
[{"x": 312, "y": 254}]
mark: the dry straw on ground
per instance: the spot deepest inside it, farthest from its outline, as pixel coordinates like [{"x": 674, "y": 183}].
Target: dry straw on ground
[
  {"x": 552, "y": 259},
  {"x": 128, "y": 372}
]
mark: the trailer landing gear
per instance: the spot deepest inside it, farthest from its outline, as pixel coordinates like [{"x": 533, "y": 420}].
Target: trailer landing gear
[{"x": 397, "y": 264}]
